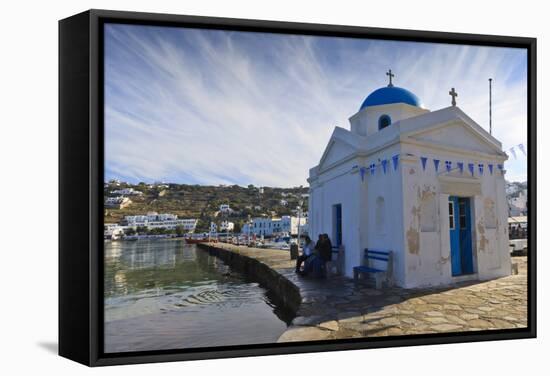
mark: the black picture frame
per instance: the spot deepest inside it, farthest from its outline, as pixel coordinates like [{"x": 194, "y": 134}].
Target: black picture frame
[{"x": 81, "y": 186}]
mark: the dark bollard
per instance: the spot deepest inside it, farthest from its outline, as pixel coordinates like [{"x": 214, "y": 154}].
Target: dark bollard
[{"x": 293, "y": 251}]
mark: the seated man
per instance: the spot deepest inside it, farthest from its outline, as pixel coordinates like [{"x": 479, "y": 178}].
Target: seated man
[
  {"x": 307, "y": 251},
  {"x": 325, "y": 249}
]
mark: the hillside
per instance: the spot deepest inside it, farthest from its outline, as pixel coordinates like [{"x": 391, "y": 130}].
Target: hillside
[{"x": 203, "y": 202}]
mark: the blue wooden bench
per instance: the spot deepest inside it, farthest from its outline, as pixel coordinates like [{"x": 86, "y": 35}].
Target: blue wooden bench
[{"x": 380, "y": 275}]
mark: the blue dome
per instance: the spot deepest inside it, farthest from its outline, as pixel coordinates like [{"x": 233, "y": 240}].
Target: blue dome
[{"x": 389, "y": 95}]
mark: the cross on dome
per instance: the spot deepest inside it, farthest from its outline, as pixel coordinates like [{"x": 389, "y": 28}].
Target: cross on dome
[{"x": 390, "y": 75}]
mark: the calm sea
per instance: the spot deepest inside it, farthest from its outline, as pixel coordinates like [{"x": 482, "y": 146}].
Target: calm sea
[{"x": 165, "y": 294}]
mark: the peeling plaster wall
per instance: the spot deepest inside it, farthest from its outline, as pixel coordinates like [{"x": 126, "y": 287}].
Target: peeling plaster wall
[
  {"x": 427, "y": 255},
  {"x": 491, "y": 242},
  {"x": 427, "y": 248}
]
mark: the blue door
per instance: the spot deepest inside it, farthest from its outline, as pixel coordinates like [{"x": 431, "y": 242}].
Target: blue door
[
  {"x": 460, "y": 229},
  {"x": 338, "y": 225}
]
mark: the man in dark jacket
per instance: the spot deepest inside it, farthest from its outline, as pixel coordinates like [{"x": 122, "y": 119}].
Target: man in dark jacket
[
  {"x": 319, "y": 244},
  {"x": 325, "y": 250}
]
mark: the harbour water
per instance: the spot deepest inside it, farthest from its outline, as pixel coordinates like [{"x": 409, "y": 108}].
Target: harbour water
[{"x": 164, "y": 294}]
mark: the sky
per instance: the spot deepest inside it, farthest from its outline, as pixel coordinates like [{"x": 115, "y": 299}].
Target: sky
[{"x": 212, "y": 107}]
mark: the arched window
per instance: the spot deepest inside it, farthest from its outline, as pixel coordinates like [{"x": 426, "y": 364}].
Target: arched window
[{"x": 383, "y": 121}]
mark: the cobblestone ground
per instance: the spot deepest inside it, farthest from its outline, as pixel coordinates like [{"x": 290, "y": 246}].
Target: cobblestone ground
[{"x": 339, "y": 307}]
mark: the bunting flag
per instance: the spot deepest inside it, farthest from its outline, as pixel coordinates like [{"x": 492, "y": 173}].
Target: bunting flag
[
  {"x": 512, "y": 151},
  {"x": 395, "y": 160},
  {"x": 362, "y": 170},
  {"x": 471, "y": 168},
  {"x": 436, "y": 164},
  {"x": 448, "y": 165},
  {"x": 384, "y": 164},
  {"x": 424, "y": 160}
]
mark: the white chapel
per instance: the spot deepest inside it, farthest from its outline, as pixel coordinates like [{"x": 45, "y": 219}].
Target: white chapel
[{"x": 426, "y": 185}]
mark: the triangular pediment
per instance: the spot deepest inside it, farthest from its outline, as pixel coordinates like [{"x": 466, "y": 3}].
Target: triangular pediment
[
  {"x": 340, "y": 146},
  {"x": 457, "y": 132}
]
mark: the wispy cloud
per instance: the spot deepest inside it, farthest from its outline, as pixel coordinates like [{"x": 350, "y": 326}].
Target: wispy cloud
[{"x": 212, "y": 107}]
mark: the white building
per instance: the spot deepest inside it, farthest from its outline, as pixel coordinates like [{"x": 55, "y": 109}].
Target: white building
[
  {"x": 113, "y": 231},
  {"x": 127, "y": 192},
  {"x": 155, "y": 220},
  {"x": 226, "y": 226},
  {"x": 118, "y": 202},
  {"x": 429, "y": 186},
  {"x": 265, "y": 226},
  {"x": 225, "y": 208},
  {"x": 213, "y": 228},
  {"x": 518, "y": 205}
]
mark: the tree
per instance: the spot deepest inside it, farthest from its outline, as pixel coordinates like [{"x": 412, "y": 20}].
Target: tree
[
  {"x": 180, "y": 230},
  {"x": 129, "y": 231},
  {"x": 237, "y": 227},
  {"x": 141, "y": 230}
]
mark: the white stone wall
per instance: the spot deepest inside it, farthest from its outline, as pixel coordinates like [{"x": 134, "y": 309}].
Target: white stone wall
[
  {"x": 361, "y": 205},
  {"x": 338, "y": 186},
  {"x": 382, "y": 224}
]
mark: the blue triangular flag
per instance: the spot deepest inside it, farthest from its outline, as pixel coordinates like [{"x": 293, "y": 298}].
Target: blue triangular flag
[
  {"x": 460, "y": 166},
  {"x": 500, "y": 167},
  {"x": 395, "y": 160},
  {"x": 490, "y": 168},
  {"x": 424, "y": 160},
  {"x": 471, "y": 168},
  {"x": 522, "y": 148},
  {"x": 436, "y": 164},
  {"x": 372, "y": 168},
  {"x": 480, "y": 166},
  {"x": 513, "y": 151},
  {"x": 448, "y": 165},
  {"x": 384, "y": 164}
]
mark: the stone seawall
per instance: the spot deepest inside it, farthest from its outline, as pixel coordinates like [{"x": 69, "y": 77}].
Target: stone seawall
[
  {"x": 339, "y": 307},
  {"x": 285, "y": 291}
]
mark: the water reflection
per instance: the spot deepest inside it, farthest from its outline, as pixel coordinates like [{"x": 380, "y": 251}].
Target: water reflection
[{"x": 164, "y": 294}]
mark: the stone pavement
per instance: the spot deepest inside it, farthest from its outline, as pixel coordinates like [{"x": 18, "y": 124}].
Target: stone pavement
[{"x": 339, "y": 307}]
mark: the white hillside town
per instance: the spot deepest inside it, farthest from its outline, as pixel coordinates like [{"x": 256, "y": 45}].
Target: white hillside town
[
  {"x": 427, "y": 186},
  {"x": 273, "y": 226},
  {"x": 151, "y": 221}
]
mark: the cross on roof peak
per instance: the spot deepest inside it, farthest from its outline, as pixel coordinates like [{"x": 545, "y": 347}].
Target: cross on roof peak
[
  {"x": 390, "y": 75},
  {"x": 453, "y": 94}
]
